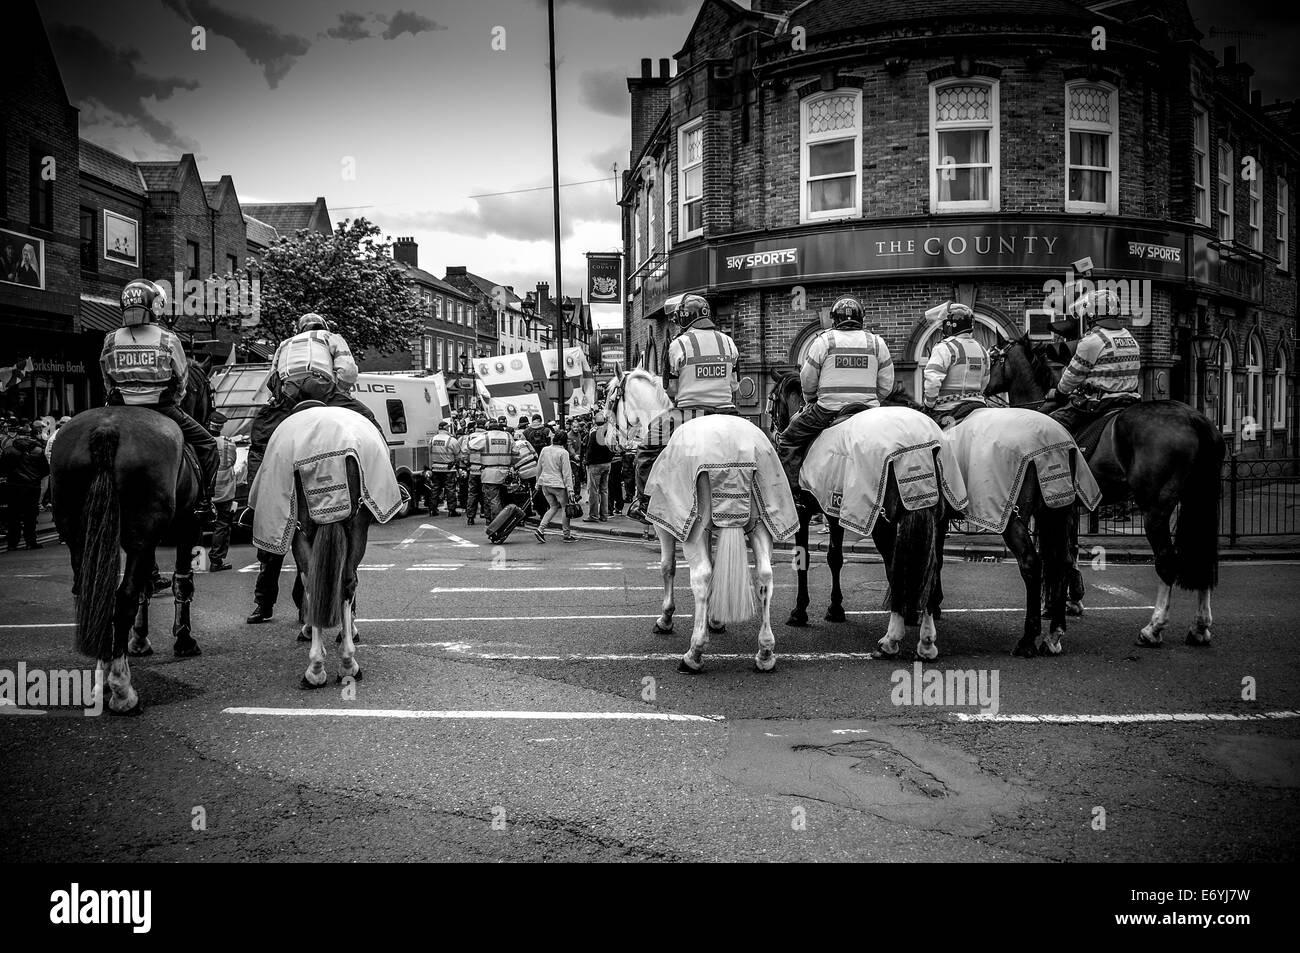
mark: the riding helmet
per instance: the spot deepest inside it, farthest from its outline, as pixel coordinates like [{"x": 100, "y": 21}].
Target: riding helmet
[
  {"x": 142, "y": 302},
  {"x": 311, "y": 321},
  {"x": 958, "y": 319},
  {"x": 1097, "y": 304},
  {"x": 692, "y": 308},
  {"x": 847, "y": 310}
]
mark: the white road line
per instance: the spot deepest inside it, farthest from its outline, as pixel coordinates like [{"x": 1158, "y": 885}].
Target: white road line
[
  {"x": 433, "y": 567},
  {"x": 462, "y": 589},
  {"x": 479, "y": 715},
  {"x": 376, "y": 567},
  {"x": 1123, "y": 719},
  {"x": 631, "y": 657},
  {"x": 251, "y": 568},
  {"x": 456, "y": 540},
  {"x": 39, "y": 625},
  {"x": 1124, "y": 592},
  {"x": 503, "y": 618},
  {"x": 514, "y": 568}
]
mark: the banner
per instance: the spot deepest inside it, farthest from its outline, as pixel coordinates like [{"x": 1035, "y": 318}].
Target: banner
[
  {"x": 440, "y": 391},
  {"x": 604, "y": 278},
  {"x": 515, "y": 385}
]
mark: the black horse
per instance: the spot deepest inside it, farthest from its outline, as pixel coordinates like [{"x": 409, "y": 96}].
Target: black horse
[
  {"x": 1164, "y": 455},
  {"x": 120, "y": 480}
]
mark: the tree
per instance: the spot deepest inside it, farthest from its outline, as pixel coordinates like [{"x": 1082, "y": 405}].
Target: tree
[{"x": 348, "y": 278}]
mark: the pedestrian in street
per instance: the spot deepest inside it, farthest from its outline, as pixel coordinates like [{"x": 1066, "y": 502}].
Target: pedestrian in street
[
  {"x": 538, "y": 434},
  {"x": 498, "y": 465},
  {"x": 525, "y": 468},
  {"x": 444, "y": 457},
  {"x": 23, "y": 466},
  {"x": 555, "y": 479},
  {"x": 598, "y": 458},
  {"x": 223, "y": 494},
  {"x": 577, "y": 445}
]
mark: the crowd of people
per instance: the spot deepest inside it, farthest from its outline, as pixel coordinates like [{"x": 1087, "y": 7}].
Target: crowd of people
[{"x": 25, "y": 447}]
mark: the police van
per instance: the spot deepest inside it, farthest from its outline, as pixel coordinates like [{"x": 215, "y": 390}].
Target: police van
[{"x": 406, "y": 407}]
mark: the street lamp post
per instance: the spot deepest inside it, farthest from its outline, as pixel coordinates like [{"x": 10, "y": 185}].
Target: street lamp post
[{"x": 555, "y": 202}]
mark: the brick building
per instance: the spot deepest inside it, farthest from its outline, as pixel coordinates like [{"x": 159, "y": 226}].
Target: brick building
[
  {"x": 972, "y": 151},
  {"x": 504, "y": 327}
]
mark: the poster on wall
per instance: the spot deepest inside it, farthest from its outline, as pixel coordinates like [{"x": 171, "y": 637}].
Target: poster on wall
[
  {"x": 22, "y": 259},
  {"x": 121, "y": 239}
]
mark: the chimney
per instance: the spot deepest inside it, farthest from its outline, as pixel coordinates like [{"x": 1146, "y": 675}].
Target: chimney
[
  {"x": 407, "y": 251},
  {"x": 649, "y": 100},
  {"x": 1234, "y": 76},
  {"x": 455, "y": 270}
]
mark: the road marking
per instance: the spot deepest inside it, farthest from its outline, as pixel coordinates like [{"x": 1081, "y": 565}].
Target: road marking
[
  {"x": 31, "y": 575},
  {"x": 455, "y": 540},
  {"x": 435, "y": 567},
  {"x": 1124, "y": 719},
  {"x": 450, "y": 589},
  {"x": 631, "y": 657},
  {"x": 513, "y": 569},
  {"x": 39, "y": 625},
  {"x": 477, "y": 715},
  {"x": 1124, "y": 592},
  {"x": 376, "y": 567}
]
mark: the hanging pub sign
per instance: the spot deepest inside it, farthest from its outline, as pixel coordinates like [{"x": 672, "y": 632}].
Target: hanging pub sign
[
  {"x": 1229, "y": 272},
  {"x": 603, "y": 278}
]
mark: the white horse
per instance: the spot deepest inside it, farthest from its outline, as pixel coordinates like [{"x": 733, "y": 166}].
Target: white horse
[{"x": 722, "y": 588}]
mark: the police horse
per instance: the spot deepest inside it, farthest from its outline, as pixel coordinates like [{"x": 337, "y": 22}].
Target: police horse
[
  {"x": 734, "y": 500},
  {"x": 909, "y": 540},
  {"x": 121, "y": 479},
  {"x": 1164, "y": 455},
  {"x": 325, "y": 479}
]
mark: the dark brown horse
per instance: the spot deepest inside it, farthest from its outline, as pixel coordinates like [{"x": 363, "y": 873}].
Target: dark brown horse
[
  {"x": 910, "y": 543},
  {"x": 120, "y": 480},
  {"x": 1164, "y": 455}
]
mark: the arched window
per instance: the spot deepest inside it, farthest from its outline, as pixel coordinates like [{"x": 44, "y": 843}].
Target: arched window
[
  {"x": 1225, "y": 386},
  {"x": 651, "y": 360},
  {"x": 1279, "y": 389},
  {"x": 987, "y": 332},
  {"x": 1252, "y": 415}
]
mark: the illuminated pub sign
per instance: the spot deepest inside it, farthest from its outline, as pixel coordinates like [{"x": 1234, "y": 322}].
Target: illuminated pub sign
[{"x": 996, "y": 247}]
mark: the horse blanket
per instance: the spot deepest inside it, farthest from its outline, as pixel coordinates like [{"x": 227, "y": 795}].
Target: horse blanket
[
  {"x": 847, "y": 468},
  {"x": 315, "y": 443},
  {"x": 995, "y": 447},
  {"x": 746, "y": 482}
]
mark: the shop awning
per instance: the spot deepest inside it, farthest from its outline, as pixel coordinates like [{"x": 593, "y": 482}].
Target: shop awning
[{"x": 99, "y": 315}]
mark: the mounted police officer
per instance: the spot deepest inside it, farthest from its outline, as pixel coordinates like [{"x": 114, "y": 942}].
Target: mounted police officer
[
  {"x": 958, "y": 369},
  {"x": 444, "y": 457},
  {"x": 845, "y": 365},
  {"x": 144, "y": 365},
  {"x": 700, "y": 378},
  {"x": 1103, "y": 373}
]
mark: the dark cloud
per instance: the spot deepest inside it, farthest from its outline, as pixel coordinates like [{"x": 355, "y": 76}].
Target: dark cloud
[
  {"x": 604, "y": 91},
  {"x": 631, "y": 9},
  {"x": 525, "y": 216},
  {"x": 107, "y": 82},
  {"x": 603, "y": 159},
  {"x": 261, "y": 42},
  {"x": 403, "y": 21},
  {"x": 349, "y": 27}
]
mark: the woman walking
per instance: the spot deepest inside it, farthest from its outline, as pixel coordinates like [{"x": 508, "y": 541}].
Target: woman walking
[{"x": 555, "y": 480}]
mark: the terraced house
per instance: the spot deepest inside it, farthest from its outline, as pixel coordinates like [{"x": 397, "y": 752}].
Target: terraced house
[{"x": 984, "y": 151}]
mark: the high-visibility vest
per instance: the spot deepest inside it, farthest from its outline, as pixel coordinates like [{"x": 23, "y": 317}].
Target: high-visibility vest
[
  {"x": 305, "y": 355},
  {"x": 704, "y": 362},
  {"x": 1107, "y": 363},
  {"x": 473, "y": 446},
  {"x": 498, "y": 455},
  {"x": 444, "y": 449},
  {"x": 142, "y": 362},
  {"x": 526, "y": 460},
  {"x": 846, "y": 366},
  {"x": 958, "y": 370}
]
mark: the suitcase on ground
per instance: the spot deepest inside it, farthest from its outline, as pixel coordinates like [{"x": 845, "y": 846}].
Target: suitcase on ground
[{"x": 508, "y": 520}]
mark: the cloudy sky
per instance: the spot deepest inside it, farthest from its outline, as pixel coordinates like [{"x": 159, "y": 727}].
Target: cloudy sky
[{"x": 431, "y": 114}]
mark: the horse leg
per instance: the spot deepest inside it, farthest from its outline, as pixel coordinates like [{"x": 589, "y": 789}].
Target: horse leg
[
  {"x": 139, "y": 644},
  {"x": 888, "y": 646},
  {"x": 123, "y": 699},
  {"x": 835, "y": 560},
  {"x": 760, "y": 541},
  {"x": 927, "y": 644},
  {"x": 696, "y": 549},
  {"x": 715, "y": 627},
  {"x": 301, "y": 557},
  {"x": 668, "y": 570},
  {"x": 1199, "y": 633},
  {"x": 183, "y": 593},
  {"x": 347, "y": 648},
  {"x": 1074, "y": 578},
  {"x": 347, "y": 637},
  {"x": 1021, "y": 545},
  {"x": 315, "y": 676},
  {"x": 799, "y": 614},
  {"x": 1157, "y": 532}
]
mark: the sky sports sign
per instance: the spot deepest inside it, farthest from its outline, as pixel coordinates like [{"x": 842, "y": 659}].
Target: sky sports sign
[{"x": 996, "y": 247}]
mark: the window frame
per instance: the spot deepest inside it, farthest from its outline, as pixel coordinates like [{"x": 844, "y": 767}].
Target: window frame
[
  {"x": 994, "y": 201},
  {"x": 89, "y": 245},
  {"x": 1200, "y": 165},
  {"x": 1111, "y": 130},
  {"x": 1254, "y": 380},
  {"x": 1282, "y": 224},
  {"x": 1227, "y": 388},
  {"x": 395, "y": 411},
  {"x": 1255, "y": 212},
  {"x": 683, "y": 216},
  {"x": 807, "y": 141},
  {"x": 1280, "y": 387},
  {"x": 1226, "y": 214},
  {"x": 193, "y": 272},
  {"x": 667, "y": 179}
]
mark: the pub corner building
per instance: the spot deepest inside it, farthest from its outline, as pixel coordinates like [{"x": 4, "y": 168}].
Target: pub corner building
[{"x": 974, "y": 151}]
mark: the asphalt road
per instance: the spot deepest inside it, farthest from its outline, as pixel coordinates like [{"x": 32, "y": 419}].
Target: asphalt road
[{"x": 814, "y": 761}]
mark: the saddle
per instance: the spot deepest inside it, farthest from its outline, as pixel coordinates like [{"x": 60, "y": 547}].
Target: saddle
[
  {"x": 849, "y": 410},
  {"x": 951, "y": 418},
  {"x": 1089, "y": 438}
]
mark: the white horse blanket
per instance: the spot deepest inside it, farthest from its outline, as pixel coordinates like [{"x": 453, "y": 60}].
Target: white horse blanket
[
  {"x": 995, "y": 447},
  {"x": 316, "y": 444},
  {"x": 746, "y": 481},
  {"x": 847, "y": 468}
]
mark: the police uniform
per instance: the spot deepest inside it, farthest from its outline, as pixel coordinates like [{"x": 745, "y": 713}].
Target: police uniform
[
  {"x": 956, "y": 375},
  {"x": 498, "y": 460},
  {"x": 702, "y": 367},
  {"x": 526, "y": 466},
  {"x": 444, "y": 456},
  {"x": 473, "y": 447},
  {"x": 144, "y": 365},
  {"x": 314, "y": 364},
  {"x": 845, "y": 365},
  {"x": 1102, "y": 375}
]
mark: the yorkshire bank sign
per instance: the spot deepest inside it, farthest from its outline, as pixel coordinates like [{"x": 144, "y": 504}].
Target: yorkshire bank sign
[{"x": 1008, "y": 247}]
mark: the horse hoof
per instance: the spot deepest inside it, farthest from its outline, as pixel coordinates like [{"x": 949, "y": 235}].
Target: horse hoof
[
  {"x": 765, "y": 666},
  {"x": 687, "y": 668},
  {"x": 134, "y": 711},
  {"x": 1147, "y": 642},
  {"x": 662, "y": 630},
  {"x": 309, "y": 685},
  {"x": 304, "y": 637},
  {"x": 927, "y": 658},
  {"x": 1024, "y": 649},
  {"x": 1198, "y": 641},
  {"x": 355, "y": 676},
  {"x": 834, "y": 614},
  {"x": 1074, "y": 609},
  {"x": 882, "y": 654},
  {"x": 717, "y": 629},
  {"x": 797, "y": 620},
  {"x": 140, "y": 653}
]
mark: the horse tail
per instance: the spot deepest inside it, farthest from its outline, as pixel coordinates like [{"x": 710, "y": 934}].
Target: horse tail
[
  {"x": 1196, "y": 539},
  {"x": 731, "y": 597},
  {"x": 329, "y": 551},
  {"x": 101, "y": 529},
  {"x": 914, "y": 562}
]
